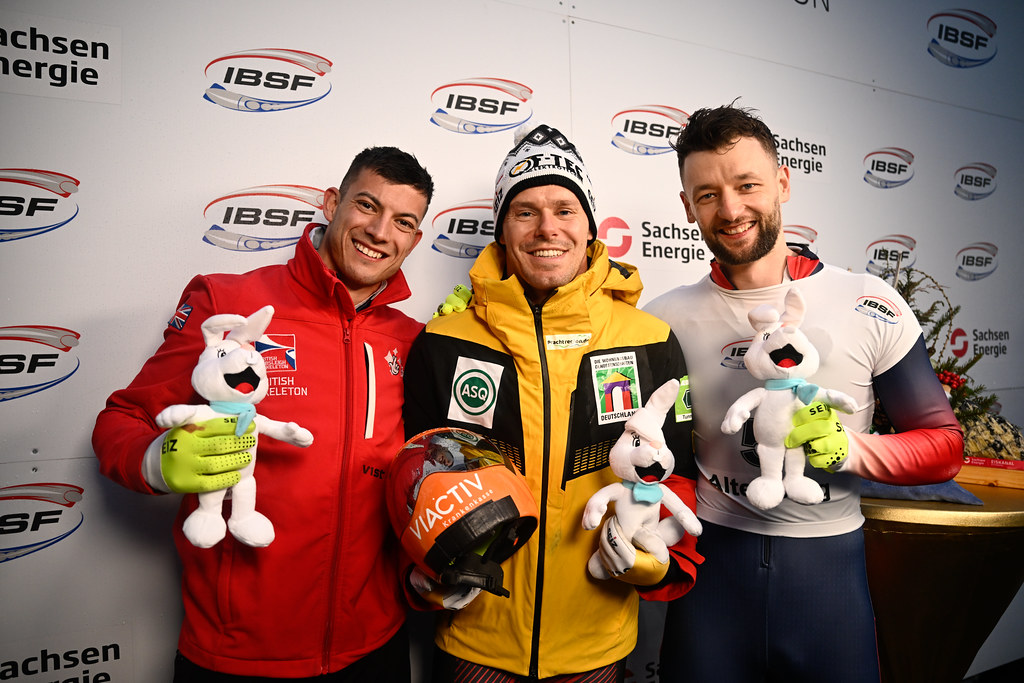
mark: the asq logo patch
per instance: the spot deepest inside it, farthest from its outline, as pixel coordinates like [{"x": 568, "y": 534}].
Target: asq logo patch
[
  {"x": 614, "y": 232},
  {"x": 281, "y": 212},
  {"x": 961, "y": 38},
  {"x": 35, "y": 358},
  {"x": 36, "y": 516},
  {"x": 475, "y": 391},
  {"x": 267, "y": 80},
  {"x": 648, "y": 129},
  {"x": 888, "y": 167},
  {"x": 481, "y": 105},
  {"x": 975, "y": 181},
  {"x": 32, "y": 202},
  {"x": 465, "y": 229},
  {"x": 891, "y": 252},
  {"x": 976, "y": 261}
]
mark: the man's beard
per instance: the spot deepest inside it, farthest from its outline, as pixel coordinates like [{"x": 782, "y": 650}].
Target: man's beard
[{"x": 768, "y": 234}]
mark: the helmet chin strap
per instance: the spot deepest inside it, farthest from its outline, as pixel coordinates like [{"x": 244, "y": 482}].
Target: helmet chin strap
[{"x": 474, "y": 570}]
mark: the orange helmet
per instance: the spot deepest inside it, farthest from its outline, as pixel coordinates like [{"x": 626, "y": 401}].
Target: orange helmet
[{"x": 459, "y": 507}]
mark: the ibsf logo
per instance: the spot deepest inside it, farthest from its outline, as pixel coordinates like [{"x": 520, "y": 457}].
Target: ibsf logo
[
  {"x": 31, "y": 202},
  {"x": 733, "y": 353},
  {"x": 799, "y": 234},
  {"x": 976, "y": 261},
  {"x": 267, "y": 80},
  {"x": 891, "y": 252},
  {"x": 614, "y": 232},
  {"x": 464, "y": 229},
  {"x": 648, "y": 129},
  {"x": 888, "y": 167},
  {"x": 962, "y": 38},
  {"x": 25, "y": 368},
  {"x": 281, "y": 208},
  {"x": 481, "y": 105},
  {"x": 879, "y": 308},
  {"x": 975, "y": 181},
  {"x": 36, "y": 516}
]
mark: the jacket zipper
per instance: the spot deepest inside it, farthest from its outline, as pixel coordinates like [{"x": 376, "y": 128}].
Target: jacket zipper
[
  {"x": 542, "y": 503},
  {"x": 348, "y": 354}
]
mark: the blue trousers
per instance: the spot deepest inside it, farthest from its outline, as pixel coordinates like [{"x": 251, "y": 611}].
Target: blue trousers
[{"x": 773, "y": 609}]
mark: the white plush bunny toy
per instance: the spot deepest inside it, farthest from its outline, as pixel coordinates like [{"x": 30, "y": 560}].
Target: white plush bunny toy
[
  {"x": 643, "y": 460},
  {"x": 232, "y": 376},
  {"x": 782, "y": 356}
]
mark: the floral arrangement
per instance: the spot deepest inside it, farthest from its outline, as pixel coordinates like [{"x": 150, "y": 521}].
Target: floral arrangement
[{"x": 986, "y": 434}]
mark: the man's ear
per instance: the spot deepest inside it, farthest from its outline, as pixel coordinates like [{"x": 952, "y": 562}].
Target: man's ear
[
  {"x": 783, "y": 179},
  {"x": 331, "y": 199},
  {"x": 686, "y": 205}
]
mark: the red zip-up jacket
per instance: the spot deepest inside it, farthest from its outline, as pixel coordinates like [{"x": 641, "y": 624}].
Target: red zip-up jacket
[{"x": 326, "y": 591}]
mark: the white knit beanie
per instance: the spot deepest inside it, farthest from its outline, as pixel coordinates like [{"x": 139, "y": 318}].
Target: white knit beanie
[{"x": 541, "y": 155}]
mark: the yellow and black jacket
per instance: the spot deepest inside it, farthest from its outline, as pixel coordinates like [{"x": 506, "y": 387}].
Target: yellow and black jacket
[{"x": 551, "y": 385}]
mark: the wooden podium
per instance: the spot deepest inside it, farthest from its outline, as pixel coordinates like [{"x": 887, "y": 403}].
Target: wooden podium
[{"x": 941, "y": 576}]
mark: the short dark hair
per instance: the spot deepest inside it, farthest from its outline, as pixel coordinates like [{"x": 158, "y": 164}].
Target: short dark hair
[
  {"x": 393, "y": 165},
  {"x": 709, "y": 130}
]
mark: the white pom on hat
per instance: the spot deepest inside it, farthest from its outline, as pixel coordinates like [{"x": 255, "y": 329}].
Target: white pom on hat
[{"x": 541, "y": 155}]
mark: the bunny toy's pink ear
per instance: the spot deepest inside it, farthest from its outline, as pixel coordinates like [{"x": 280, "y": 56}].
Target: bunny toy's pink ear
[
  {"x": 649, "y": 419},
  {"x": 795, "y": 308},
  {"x": 253, "y": 327},
  {"x": 215, "y": 326},
  {"x": 664, "y": 397}
]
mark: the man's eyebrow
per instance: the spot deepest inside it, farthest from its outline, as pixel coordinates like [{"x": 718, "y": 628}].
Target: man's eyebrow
[
  {"x": 376, "y": 201},
  {"x": 741, "y": 177}
]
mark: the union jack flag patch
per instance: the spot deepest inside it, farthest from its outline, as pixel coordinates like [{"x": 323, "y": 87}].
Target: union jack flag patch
[{"x": 180, "y": 317}]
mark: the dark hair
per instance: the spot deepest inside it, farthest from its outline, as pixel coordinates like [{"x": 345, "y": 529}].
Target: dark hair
[
  {"x": 393, "y": 165},
  {"x": 709, "y": 130}
]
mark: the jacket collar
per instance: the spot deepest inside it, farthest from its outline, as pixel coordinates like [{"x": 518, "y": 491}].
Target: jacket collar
[
  {"x": 310, "y": 268},
  {"x": 576, "y": 308},
  {"x": 802, "y": 263}
]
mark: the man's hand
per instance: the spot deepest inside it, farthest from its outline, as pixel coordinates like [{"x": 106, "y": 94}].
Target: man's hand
[
  {"x": 206, "y": 456},
  {"x": 448, "y": 597},
  {"x": 455, "y": 302},
  {"x": 817, "y": 428},
  {"x": 626, "y": 562}
]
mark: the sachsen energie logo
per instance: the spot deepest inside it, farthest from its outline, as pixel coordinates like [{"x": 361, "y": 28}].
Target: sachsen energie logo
[
  {"x": 481, "y": 105},
  {"x": 464, "y": 230},
  {"x": 267, "y": 80},
  {"x": 31, "y": 202},
  {"x": 961, "y": 38},
  {"x": 25, "y": 368},
  {"x": 891, "y": 252},
  {"x": 648, "y": 129},
  {"x": 614, "y": 232},
  {"x": 36, "y": 516},
  {"x": 976, "y": 261},
  {"x": 288, "y": 208},
  {"x": 668, "y": 242},
  {"x": 888, "y": 167}
]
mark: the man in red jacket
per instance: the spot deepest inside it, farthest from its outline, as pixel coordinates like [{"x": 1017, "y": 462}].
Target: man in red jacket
[{"x": 303, "y": 606}]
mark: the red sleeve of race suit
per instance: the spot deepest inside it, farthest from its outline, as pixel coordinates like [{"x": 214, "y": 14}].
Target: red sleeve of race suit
[{"x": 928, "y": 444}]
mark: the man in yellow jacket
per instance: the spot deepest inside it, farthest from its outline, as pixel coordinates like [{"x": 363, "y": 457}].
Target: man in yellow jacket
[{"x": 548, "y": 362}]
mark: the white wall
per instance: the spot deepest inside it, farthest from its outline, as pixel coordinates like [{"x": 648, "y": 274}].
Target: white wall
[{"x": 154, "y": 165}]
